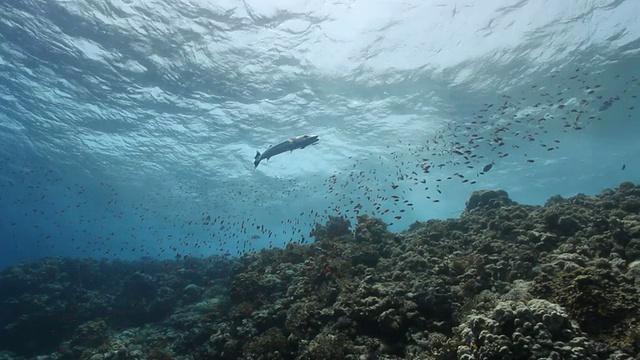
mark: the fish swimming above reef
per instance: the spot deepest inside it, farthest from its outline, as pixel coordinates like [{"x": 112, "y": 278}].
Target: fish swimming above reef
[
  {"x": 607, "y": 104},
  {"x": 299, "y": 142}
]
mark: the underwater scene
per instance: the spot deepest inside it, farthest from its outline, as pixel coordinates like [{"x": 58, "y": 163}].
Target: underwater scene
[{"x": 339, "y": 179}]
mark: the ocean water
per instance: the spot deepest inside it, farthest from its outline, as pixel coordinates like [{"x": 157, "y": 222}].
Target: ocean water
[{"x": 128, "y": 129}]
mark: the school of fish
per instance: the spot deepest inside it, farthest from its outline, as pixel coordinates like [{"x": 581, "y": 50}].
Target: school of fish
[{"x": 464, "y": 152}]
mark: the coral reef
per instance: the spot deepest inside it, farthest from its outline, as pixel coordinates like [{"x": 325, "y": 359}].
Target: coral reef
[
  {"x": 335, "y": 227},
  {"x": 518, "y": 330},
  {"x": 502, "y": 281},
  {"x": 488, "y": 199}
]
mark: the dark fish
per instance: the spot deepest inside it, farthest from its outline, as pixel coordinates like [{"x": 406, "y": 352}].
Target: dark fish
[
  {"x": 624, "y": 166},
  {"x": 607, "y": 104},
  {"x": 487, "y": 167}
]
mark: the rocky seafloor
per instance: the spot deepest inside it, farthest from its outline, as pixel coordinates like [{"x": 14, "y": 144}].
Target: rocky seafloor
[{"x": 502, "y": 281}]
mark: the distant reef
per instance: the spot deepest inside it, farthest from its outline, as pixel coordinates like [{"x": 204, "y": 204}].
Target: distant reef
[{"x": 502, "y": 281}]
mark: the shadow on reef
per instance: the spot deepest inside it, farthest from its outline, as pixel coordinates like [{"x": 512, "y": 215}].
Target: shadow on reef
[
  {"x": 47, "y": 302},
  {"x": 502, "y": 281}
]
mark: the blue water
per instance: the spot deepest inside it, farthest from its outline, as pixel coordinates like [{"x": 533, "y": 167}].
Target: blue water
[{"x": 128, "y": 128}]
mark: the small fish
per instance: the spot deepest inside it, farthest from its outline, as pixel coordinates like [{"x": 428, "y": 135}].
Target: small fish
[
  {"x": 624, "y": 166},
  {"x": 487, "y": 167},
  {"x": 607, "y": 104}
]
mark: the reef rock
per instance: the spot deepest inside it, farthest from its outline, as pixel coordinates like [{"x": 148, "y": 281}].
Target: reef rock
[
  {"x": 518, "y": 330},
  {"x": 488, "y": 199}
]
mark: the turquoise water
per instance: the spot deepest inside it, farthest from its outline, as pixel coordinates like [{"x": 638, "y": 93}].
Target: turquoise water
[{"x": 129, "y": 128}]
